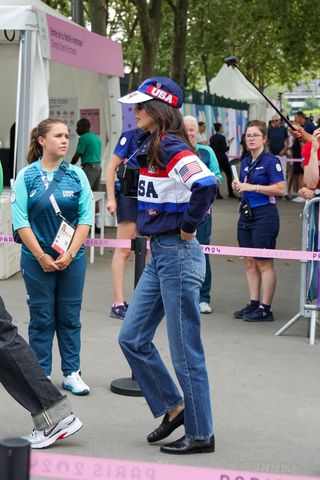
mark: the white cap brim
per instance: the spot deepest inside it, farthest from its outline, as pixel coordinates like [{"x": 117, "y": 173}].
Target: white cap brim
[{"x": 135, "y": 97}]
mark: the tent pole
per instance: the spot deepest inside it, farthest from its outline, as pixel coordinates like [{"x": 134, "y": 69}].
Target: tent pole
[{"x": 24, "y": 98}]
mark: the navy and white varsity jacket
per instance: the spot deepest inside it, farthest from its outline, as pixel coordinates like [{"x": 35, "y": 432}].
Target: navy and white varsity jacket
[{"x": 176, "y": 195}]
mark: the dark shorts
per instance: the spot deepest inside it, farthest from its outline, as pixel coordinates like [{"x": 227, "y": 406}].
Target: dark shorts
[
  {"x": 296, "y": 168},
  {"x": 127, "y": 209},
  {"x": 93, "y": 172},
  {"x": 262, "y": 230}
]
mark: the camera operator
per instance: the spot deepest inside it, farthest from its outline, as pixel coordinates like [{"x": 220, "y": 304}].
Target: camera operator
[{"x": 261, "y": 180}]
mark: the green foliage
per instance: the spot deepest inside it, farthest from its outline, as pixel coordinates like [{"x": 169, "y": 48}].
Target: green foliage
[{"x": 275, "y": 41}]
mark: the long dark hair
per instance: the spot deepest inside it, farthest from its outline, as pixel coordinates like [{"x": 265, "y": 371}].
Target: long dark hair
[
  {"x": 169, "y": 120},
  {"x": 35, "y": 149}
]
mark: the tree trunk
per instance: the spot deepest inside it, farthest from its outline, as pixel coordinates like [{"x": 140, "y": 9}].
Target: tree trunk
[
  {"x": 178, "y": 56},
  {"x": 150, "y": 27},
  {"x": 205, "y": 69},
  {"x": 77, "y": 12},
  {"x": 98, "y": 10}
]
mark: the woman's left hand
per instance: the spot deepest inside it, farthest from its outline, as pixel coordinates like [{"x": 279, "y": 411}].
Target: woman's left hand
[{"x": 63, "y": 261}]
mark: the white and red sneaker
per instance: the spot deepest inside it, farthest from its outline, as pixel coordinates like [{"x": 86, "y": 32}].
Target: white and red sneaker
[{"x": 63, "y": 429}]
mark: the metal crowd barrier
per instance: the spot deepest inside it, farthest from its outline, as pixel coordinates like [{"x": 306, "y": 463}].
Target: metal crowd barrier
[{"x": 306, "y": 310}]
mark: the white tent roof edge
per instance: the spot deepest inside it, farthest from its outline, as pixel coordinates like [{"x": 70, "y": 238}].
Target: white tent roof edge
[
  {"x": 230, "y": 83},
  {"x": 22, "y": 14}
]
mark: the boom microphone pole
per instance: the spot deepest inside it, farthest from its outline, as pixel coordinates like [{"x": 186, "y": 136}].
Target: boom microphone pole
[{"x": 233, "y": 62}]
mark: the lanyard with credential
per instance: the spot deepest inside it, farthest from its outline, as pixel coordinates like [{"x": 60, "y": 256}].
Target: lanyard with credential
[
  {"x": 253, "y": 167},
  {"x": 51, "y": 198}
]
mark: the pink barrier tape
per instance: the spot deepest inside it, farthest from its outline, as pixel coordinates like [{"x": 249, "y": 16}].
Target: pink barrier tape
[
  {"x": 209, "y": 249},
  {"x": 107, "y": 242},
  {"x": 70, "y": 467},
  {"x": 261, "y": 252},
  {"x": 294, "y": 160}
]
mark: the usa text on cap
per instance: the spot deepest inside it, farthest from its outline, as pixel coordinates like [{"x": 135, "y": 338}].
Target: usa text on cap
[{"x": 159, "y": 88}]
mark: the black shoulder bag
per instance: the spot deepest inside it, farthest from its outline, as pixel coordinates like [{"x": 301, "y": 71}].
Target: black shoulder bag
[
  {"x": 46, "y": 194},
  {"x": 129, "y": 176}
]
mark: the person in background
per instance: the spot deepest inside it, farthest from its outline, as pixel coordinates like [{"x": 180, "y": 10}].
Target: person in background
[
  {"x": 243, "y": 147},
  {"x": 54, "y": 281},
  {"x": 204, "y": 230},
  {"x": 24, "y": 379},
  {"x": 126, "y": 209},
  {"x": 202, "y": 135},
  {"x": 220, "y": 147},
  {"x": 175, "y": 191},
  {"x": 89, "y": 150},
  {"x": 304, "y": 132},
  {"x": 278, "y": 142},
  {"x": 261, "y": 181},
  {"x": 311, "y": 167}
]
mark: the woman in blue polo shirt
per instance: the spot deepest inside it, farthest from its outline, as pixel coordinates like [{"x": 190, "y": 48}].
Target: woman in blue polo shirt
[
  {"x": 261, "y": 181},
  {"x": 54, "y": 279},
  {"x": 126, "y": 210}
]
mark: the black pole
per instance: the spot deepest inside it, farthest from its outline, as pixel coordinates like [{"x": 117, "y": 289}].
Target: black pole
[
  {"x": 233, "y": 62},
  {"x": 128, "y": 386},
  {"x": 14, "y": 459}
]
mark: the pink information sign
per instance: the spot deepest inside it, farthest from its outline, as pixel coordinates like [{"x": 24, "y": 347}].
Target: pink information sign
[
  {"x": 75, "y": 46},
  {"x": 93, "y": 115}
]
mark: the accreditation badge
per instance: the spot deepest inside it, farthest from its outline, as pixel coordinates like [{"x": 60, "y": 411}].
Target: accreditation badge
[{"x": 63, "y": 238}]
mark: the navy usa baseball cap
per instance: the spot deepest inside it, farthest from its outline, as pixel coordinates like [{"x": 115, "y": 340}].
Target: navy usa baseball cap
[{"x": 159, "y": 88}]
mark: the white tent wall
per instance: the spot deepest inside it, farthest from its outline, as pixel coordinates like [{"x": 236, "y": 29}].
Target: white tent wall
[
  {"x": 9, "y": 54},
  {"x": 92, "y": 90}
]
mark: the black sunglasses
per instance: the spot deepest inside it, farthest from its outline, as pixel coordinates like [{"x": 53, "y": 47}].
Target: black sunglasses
[{"x": 139, "y": 106}]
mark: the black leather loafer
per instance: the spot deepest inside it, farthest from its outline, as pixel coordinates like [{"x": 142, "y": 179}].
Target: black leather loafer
[
  {"x": 186, "y": 445},
  {"x": 166, "y": 428}
]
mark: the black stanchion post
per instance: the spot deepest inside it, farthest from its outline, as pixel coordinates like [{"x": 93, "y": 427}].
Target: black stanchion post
[
  {"x": 128, "y": 386},
  {"x": 14, "y": 459}
]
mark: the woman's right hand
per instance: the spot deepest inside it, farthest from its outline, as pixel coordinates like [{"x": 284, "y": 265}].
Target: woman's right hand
[
  {"x": 235, "y": 185},
  {"x": 48, "y": 264},
  {"x": 112, "y": 206}
]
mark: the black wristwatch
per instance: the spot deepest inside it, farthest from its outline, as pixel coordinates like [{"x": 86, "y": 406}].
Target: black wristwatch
[{"x": 317, "y": 192}]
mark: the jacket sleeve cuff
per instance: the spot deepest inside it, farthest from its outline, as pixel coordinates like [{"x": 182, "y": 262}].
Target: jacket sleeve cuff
[{"x": 187, "y": 227}]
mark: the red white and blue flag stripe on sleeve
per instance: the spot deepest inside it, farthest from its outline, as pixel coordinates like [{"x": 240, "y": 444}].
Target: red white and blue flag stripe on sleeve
[{"x": 187, "y": 168}]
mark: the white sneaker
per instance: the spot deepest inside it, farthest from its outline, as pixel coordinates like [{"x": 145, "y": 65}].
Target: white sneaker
[
  {"x": 205, "y": 307},
  {"x": 75, "y": 384},
  {"x": 298, "y": 199},
  {"x": 63, "y": 429}
]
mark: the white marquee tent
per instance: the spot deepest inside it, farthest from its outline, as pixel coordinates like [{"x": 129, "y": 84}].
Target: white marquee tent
[
  {"x": 45, "y": 57},
  {"x": 230, "y": 83}
]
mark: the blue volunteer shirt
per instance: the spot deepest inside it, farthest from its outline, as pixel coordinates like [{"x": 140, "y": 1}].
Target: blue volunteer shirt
[
  {"x": 73, "y": 196},
  {"x": 128, "y": 145},
  {"x": 267, "y": 172}
]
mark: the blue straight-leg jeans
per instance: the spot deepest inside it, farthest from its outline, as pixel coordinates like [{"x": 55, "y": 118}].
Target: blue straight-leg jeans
[
  {"x": 204, "y": 238},
  {"x": 170, "y": 286},
  {"x": 54, "y": 300}
]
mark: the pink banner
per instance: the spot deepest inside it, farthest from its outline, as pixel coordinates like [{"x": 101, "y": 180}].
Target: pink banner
[{"x": 77, "y": 47}]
